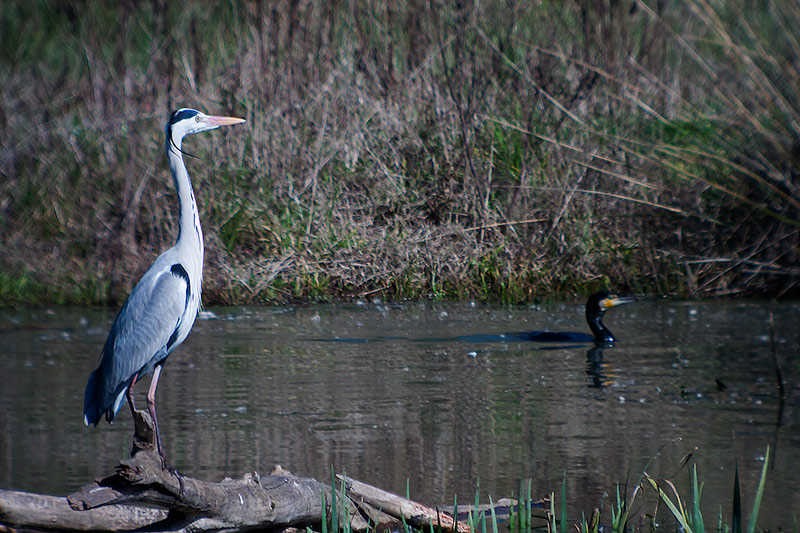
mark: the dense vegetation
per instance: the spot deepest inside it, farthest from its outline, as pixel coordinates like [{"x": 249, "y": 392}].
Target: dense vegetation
[{"x": 505, "y": 151}]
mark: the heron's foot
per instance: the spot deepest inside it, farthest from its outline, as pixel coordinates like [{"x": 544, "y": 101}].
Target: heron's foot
[
  {"x": 174, "y": 472},
  {"x": 164, "y": 465},
  {"x": 179, "y": 476}
]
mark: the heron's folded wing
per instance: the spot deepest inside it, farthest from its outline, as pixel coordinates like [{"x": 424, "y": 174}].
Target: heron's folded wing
[{"x": 145, "y": 324}]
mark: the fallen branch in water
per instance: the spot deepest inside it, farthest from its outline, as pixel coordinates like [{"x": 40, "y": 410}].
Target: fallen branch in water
[{"x": 275, "y": 501}]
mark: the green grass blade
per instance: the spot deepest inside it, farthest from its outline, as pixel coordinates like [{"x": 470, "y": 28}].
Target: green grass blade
[
  {"x": 619, "y": 513},
  {"x": 324, "y": 513},
  {"x": 759, "y": 494},
  {"x": 494, "y": 516},
  {"x": 478, "y": 516},
  {"x": 564, "y": 503},
  {"x": 521, "y": 525},
  {"x": 528, "y": 525},
  {"x": 678, "y": 514},
  {"x": 614, "y": 511},
  {"x": 736, "y": 520},
  {"x": 334, "y": 512},
  {"x": 513, "y": 525},
  {"x": 347, "y": 527},
  {"x": 455, "y": 512},
  {"x": 594, "y": 522},
  {"x": 697, "y": 515}
]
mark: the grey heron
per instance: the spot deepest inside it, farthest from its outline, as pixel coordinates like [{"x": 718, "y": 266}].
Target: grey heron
[{"x": 162, "y": 308}]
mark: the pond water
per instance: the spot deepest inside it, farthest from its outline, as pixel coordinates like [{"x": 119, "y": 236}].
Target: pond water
[{"x": 429, "y": 398}]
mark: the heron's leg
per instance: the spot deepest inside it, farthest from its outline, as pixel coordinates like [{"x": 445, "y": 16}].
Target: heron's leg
[
  {"x": 151, "y": 406},
  {"x": 129, "y": 393}
]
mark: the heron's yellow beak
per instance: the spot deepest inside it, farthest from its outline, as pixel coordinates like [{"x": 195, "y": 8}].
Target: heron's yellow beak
[{"x": 223, "y": 121}]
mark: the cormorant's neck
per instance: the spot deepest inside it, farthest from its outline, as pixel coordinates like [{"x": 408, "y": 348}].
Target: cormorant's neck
[
  {"x": 190, "y": 234},
  {"x": 599, "y": 330}
]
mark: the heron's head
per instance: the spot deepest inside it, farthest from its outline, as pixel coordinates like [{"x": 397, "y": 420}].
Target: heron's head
[
  {"x": 600, "y": 302},
  {"x": 186, "y": 121}
]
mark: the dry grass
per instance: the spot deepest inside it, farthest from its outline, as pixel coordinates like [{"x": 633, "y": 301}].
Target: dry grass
[{"x": 496, "y": 151}]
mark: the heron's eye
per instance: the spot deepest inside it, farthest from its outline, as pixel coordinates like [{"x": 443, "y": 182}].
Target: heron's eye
[{"x": 197, "y": 118}]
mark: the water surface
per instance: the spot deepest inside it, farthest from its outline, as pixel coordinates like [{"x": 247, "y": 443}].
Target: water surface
[{"x": 427, "y": 396}]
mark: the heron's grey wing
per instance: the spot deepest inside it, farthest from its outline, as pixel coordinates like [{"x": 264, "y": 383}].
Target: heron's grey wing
[{"x": 141, "y": 334}]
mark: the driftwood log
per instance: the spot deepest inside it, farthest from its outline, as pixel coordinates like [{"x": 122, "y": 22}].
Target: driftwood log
[{"x": 141, "y": 495}]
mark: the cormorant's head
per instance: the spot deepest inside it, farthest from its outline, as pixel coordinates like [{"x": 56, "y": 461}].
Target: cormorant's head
[
  {"x": 596, "y": 307},
  {"x": 600, "y": 302}
]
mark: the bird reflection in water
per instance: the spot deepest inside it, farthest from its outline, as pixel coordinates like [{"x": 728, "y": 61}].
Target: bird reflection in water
[
  {"x": 598, "y": 370},
  {"x": 601, "y": 337},
  {"x": 596, "y": 307}
]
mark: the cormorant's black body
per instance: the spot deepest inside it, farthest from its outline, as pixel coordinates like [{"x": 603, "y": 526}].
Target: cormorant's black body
[
  {"x": 596, "y": 307},
  {"x": 551, "y": 336}
]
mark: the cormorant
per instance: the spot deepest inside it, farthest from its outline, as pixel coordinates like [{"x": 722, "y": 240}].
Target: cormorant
[{"x": 596, "y": 306}]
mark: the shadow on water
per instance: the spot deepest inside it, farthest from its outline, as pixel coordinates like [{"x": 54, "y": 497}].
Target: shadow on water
[
  {"x": 596, "y": 307},
  {"x": 579, "y": 339},
  {"x": 427, "y": 397},
  {"x": 596, "y": 367}
]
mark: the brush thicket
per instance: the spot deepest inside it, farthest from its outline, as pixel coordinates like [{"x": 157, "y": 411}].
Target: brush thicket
[{"x": 489, "y": 150}]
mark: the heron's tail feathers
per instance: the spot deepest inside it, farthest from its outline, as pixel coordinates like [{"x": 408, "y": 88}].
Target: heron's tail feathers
[
  {"x": 96, "y": 402},
  {"x": 99, "y": 401},
  {"x": 92, "y": 399}
]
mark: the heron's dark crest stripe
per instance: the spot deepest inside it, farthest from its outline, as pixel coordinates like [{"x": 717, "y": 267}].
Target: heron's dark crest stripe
[
  {"x": 176, "y": 117},
  {"x": 181, "y": 114}
]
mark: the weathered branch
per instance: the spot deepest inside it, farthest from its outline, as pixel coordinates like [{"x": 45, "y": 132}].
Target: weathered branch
[
  {"x": 275, "y": 501},
  {"x": 415, "y": 514},
  {"x": 37, "y": 511}
]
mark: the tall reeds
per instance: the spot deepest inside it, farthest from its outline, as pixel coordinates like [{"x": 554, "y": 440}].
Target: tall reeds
[{"x": 425, "y": 149}]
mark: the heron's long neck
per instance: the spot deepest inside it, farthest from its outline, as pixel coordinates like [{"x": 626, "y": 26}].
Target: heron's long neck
[{"x": 190, "y": 234}]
